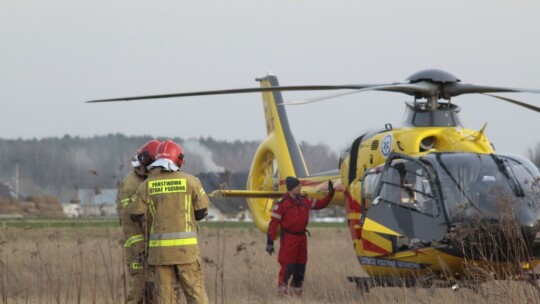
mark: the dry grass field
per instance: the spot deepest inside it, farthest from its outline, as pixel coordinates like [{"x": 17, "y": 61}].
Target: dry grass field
[{"x": 84, "y": 265}]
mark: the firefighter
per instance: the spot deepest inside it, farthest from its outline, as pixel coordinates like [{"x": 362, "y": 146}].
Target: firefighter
[
  {"x": 291, "y": 215},
  {"x": 134, "y": 247},
  {"x": 169, "y": 203}
]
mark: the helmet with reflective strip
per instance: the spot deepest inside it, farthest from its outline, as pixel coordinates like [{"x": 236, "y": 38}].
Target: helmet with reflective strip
[
  {"x": 146, "y": 154},
  {"x": 171, "y": 151}
]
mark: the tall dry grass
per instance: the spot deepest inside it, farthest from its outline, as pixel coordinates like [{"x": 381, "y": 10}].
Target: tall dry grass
[
  {"x": 61, "y": 266},
  {"x": 85, "y": 266}
]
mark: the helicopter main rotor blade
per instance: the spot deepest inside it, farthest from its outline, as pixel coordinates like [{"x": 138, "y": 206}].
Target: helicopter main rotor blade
[
  {"x": 420, "y": 88},
  {"x": 429, "y": 84},
  {"x": 516, "y": 102},
  {"x": 455, "y": 89},
  {"x": 235, "y": 91}
]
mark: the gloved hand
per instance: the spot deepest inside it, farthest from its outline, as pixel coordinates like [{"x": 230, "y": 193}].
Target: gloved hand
[
  {"x": 331, "y": 188},
  {"x": 269, "y": 246}
]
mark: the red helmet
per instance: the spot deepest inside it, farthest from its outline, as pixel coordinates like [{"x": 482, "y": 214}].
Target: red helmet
[
  {"x": 146, "y": 154},
  {"x": 171, "y": 151}
]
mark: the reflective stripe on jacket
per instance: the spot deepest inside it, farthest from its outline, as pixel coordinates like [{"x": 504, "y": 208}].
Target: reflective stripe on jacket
[
  {"x": 172, "y": 239},
  {"x": 133, "y": 239}
]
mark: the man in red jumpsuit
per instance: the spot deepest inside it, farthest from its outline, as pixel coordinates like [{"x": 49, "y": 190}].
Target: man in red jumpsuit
[{"x": 291, "y": 214}]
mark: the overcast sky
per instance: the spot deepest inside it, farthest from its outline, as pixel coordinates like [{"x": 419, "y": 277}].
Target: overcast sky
[{"x": 57, "y": 54}]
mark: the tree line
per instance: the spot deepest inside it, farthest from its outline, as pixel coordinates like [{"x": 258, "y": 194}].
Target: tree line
[{"x": 57, "y": 164}]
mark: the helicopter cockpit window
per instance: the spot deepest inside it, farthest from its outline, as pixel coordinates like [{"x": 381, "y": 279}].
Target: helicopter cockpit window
[
  {"x": 369, "y": 185},
  {"x": 407, "y": 184},
  {"x": 525, "y": 173},
  {"x": 474, "y": 184}
]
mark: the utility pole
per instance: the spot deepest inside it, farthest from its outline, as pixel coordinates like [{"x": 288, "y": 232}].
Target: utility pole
[{"x": 16, "y": 178}]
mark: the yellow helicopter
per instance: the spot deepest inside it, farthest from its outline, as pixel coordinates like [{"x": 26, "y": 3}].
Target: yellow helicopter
[{"x": 425, "y": 202}]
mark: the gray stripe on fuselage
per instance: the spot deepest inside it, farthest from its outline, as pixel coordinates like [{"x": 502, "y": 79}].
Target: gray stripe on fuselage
[{"x": 294, "y": 151}]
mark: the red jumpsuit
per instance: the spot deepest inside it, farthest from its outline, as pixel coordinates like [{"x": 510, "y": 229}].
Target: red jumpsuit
[{"x": 292, "y": 216}]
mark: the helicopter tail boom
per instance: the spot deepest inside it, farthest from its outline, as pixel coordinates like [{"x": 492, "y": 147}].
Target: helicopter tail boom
[{"x": 277, "y": 157}]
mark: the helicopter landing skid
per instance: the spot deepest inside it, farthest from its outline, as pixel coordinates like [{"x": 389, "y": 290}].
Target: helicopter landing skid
[{"x": 430, "y": 282}]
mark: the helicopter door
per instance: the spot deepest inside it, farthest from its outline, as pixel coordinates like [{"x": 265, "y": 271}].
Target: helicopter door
[{"x": 406, "y": 202}]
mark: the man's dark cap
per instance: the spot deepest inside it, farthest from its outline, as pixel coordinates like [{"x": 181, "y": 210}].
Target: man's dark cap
[{"x": 291, "y": 182}]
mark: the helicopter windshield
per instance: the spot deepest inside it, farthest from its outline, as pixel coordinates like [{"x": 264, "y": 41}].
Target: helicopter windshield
[{"x": 476, "y": 184}]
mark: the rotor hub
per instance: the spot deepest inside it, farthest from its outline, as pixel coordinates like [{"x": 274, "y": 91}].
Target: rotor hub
[{"x": 432, "y": 75}]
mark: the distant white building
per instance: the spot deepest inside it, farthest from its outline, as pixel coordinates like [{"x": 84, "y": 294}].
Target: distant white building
[
  {"x": 93, "y": 202},
  {"x": 214, "y": 215},
  {"x": 73, "y": 210}
]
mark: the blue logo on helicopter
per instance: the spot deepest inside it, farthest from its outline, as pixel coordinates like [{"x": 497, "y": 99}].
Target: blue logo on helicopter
[{"x": 386, "y": 145}]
